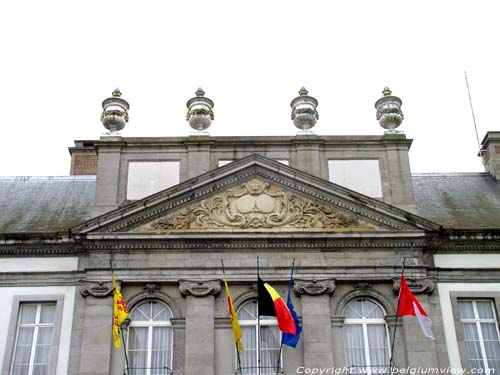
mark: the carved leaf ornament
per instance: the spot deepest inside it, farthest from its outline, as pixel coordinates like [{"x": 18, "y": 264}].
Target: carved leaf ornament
[{"x": 256, "y": 205}]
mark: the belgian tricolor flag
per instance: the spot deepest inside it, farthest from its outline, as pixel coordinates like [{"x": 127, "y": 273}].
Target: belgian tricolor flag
[{"x": 271, "y": 304}]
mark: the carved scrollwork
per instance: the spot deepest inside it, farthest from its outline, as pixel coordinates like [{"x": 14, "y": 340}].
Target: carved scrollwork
[
  {"x": 314, "y": 287},
  {"x": 417, "y": 286},
  {"x": 99, "y": 289},
  {"x": 255, "y": 205},
  {"x": 199, "y": 288}
]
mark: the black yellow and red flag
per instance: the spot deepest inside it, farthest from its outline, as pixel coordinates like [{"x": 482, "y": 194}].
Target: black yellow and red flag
[
  {"x": 271, "y": 304},
  {"x": 120, "y": 312}
]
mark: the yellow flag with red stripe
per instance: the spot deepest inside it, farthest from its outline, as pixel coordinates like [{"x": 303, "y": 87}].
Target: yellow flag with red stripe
[
  {"x": 234, "y": 319},
  {"x": 120, "y": 312}
]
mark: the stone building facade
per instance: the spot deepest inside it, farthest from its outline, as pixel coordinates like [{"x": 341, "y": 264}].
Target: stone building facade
[{"x": 166, "y": 211}]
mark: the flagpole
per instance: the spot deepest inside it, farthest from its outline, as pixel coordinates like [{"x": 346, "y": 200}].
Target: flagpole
[
  {"x": 396, "y": 321},
  {"x": 121, "y": 331},
  {"x": 258, "y": 317},
  {"x": 235, "y": 343},
  {"x": 281, "y": 344}
]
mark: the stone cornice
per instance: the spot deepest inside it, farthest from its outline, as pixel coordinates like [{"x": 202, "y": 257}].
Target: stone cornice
[
  {"x": 199, "y": 288},
  {"x": 314, "y": 287}
]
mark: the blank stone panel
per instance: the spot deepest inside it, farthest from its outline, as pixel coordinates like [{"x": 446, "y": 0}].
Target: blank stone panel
[
  {"x": 362, "y": 176},
  {"x": 146, "y": 178}
]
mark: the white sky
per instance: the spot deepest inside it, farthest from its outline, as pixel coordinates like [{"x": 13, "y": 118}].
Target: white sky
[{"x": 60, "y": 59}]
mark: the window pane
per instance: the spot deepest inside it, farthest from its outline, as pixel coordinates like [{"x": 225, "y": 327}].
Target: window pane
[
  {"x": 372, "y": 310},
  {"x": 160, "y": 312},
  {"x": 466, "y": 310},
  {"x": 494, "y": 364},
  {"x": 354, "y": 345},
  {"x": 354, "y": 310},
  {"x": 270, "y": 345},
  {"x": 484, "y": 309},
  {"x": 489, "y": 331},
  {"x": 40, "y": 370},
  {"x": 23, "y": 354},
  {"x": 48, "y": 314},
  {"x": 249, "y": 356},
  {"x": 160, "y": 340},
  {"x": 25, "y": 336},
  {"x": 141, "y": 312},
  {"x": 28, "y": 314},
  {"x": 45, "y": 335},
  {"x": 20, "y": 370},
  {"x": 138, "y": 338},
  {"x": 248, "y": 311},
  {"x": 476, "y": 364},
  {"x": 470, "y": 332},
  {"x": 138, "y": 362},
  {"x": 377, "y": 341}
]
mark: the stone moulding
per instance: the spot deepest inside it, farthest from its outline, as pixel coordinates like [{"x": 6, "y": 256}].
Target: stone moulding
[
  {"x": 199, "y": 288},
  {"x": 256, "y": 205},
  {"x": 99, "y": 289},
  {"x": 314, "y": 287},
  {"x": 417, "y": 286}
]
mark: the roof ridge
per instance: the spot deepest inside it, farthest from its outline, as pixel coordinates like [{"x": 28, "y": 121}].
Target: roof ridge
[
  {"x": 450, "y": 174},
  {"x": 50, "y": 178}
]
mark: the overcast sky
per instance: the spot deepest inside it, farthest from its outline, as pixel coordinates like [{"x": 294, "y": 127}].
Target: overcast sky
[{"x": 60, "y": 59}]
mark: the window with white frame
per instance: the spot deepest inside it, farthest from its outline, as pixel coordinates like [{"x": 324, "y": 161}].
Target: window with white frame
[
  {"x": 366, "y": 339},
  {"x": 34, "y": 339},
  {"x": 262, "y": 346},
  {"x": 480, "y": 327},
  {"x": 150, "y": 338}
]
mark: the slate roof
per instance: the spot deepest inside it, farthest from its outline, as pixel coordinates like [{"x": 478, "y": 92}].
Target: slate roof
[
  {"x": 51, "y": 204},
  {"x": 458, "y": 200},
  {"x": 45, "y": 204}
]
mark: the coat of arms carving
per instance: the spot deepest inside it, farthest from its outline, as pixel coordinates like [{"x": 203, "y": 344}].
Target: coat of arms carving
[{"x": 256, "y": 206}]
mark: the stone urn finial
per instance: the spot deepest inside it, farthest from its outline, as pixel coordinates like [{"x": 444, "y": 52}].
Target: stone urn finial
[
  {"x": 304, "y": 113},
  {"x": 389, "y": 114},
  {"x": 200, "y": 111},
  {"x": 115, "y": 112}
]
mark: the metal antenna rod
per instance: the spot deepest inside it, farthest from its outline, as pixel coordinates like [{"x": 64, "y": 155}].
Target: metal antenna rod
[{"x": 472, "y": 110}]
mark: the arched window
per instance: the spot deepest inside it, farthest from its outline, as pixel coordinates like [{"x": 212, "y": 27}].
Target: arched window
[
  {"x": 150, "y": 339},
  {"x": 365, "y": 338},
  {"x": 262, "y": 347}
]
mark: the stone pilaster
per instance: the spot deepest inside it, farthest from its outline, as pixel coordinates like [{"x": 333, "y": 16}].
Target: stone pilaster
[
  {"x": 200, "y": 325},
  {"x": 316, "y": 321},
  {"x": 96, "y": 329}
]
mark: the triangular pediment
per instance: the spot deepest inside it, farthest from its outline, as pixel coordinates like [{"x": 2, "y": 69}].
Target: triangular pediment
[
  {"x": 255, "y": 194},
  {"x": 253, "y": 206}
]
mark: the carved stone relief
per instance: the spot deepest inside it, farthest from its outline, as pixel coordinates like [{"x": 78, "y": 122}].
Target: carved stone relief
[
  {"x": 314, "y": 287},
  {"x": 417, "y": 286},
  {"x": 256, "y": 205},
  {"x": 99, "y": 289},
  {"x": 199, "y": 288}
]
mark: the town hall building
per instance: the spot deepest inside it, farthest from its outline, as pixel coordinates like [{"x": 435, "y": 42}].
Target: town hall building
[{"x": 166, "y": 211}]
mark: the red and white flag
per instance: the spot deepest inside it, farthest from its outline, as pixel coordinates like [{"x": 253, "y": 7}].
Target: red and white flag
[{"x": 409, "y": 305}]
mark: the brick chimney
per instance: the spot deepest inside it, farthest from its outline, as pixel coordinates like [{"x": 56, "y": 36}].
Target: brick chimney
[
  {"x": 83, "y": 158},
  {"x": 490, "y": 152}
]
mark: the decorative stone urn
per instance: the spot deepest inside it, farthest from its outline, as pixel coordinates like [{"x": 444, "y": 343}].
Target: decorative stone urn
[
  {"x": 200, "y": 111},
  {"x": 115, "y": 112},
  {"x": 389, "y": 114},
  {"x": 304, "y": 113}
]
